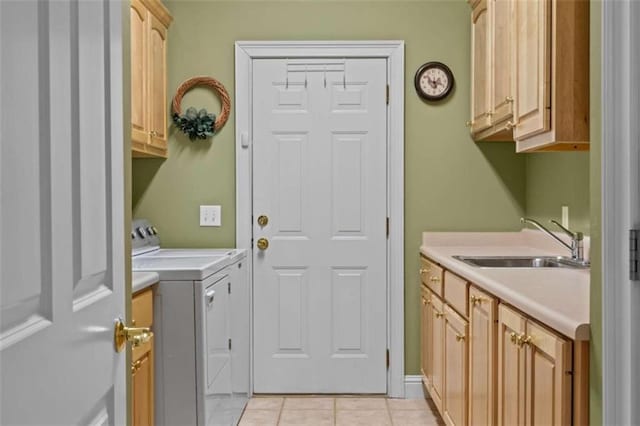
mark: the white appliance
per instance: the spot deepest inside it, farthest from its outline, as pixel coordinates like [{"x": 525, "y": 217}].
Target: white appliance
[{"x": 201, "y": 324}]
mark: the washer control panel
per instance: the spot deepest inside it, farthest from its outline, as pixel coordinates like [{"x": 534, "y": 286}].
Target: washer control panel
[{"x": 144, "y": 237}]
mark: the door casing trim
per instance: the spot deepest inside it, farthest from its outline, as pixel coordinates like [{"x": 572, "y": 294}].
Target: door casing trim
[{"x": 393, "y": 52}]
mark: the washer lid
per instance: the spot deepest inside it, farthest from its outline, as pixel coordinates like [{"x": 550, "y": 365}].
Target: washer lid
[{"x": 180, "y": 268}]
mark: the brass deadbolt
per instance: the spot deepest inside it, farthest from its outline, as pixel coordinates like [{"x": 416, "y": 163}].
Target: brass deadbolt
[{"x": 263, "y": 220}]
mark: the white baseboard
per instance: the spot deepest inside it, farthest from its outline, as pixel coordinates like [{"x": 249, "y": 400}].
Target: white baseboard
[{"x": 413, "y": 388}]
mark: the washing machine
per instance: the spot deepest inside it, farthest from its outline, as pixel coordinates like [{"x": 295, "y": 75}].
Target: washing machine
[{"x": 201, "y": 327}]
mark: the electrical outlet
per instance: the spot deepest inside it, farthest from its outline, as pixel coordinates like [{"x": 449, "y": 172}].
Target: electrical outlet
[
  {"x": 210, "y": 215},
  {"x": 565, "y": 216}
]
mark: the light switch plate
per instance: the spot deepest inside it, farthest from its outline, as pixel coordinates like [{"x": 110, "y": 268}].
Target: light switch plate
[{"x": 210, "y": 215}]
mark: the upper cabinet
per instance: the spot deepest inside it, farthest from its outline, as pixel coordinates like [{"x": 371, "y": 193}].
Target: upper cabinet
[
  {"x": 149, "y": 23},
  {"x": 536, "y": 84}
]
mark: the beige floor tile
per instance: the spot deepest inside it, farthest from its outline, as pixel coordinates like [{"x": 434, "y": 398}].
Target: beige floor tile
[
  {"x": 308, "y": 403},
  {"x": 408, "y": 404},
  {"x": 361, "y": 404},
  {"x": 260, "y": 418},
  {"x": 306, "y": 418},
  {"x": 413, "y": 418},
  {"x": 266, "y": 403},
  {"x": 362, "y": 418}
]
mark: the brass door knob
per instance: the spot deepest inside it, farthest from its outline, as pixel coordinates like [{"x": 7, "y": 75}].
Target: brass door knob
[
  {"x": 136, "y": 335},
  {"x": 262, "y": 243},
  {"x": 263, "y": 220}
]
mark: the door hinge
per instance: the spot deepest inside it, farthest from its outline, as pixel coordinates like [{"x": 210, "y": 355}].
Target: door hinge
[
  {"x": 634, "y": 255},
  {"x": 387, "y": 227},
  {"x": 229, "y": 344},
  {"x": 229, "y": 287},
  {"x": 387, "y": 94},
  {"x": 387, "y": 359}
]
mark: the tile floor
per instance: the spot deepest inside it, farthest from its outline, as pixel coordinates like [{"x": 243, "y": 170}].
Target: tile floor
[{"x": 339, "y": 411}]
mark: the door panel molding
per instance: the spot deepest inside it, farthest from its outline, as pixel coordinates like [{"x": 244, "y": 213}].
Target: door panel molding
[{"x": 393, "y": 52}]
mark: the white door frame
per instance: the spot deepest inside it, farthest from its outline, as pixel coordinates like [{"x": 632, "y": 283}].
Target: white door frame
[
  {"x": 620, "y": 210},
  {"x": 393, "y": 51}
]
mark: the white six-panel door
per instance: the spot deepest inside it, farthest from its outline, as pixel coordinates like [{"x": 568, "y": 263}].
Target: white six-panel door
[
  {"x": 319, "y": 175},
  {"x": 61, "y": 212}
]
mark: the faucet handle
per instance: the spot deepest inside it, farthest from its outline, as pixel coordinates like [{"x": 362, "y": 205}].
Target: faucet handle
[{"x": 578, "y": 236}]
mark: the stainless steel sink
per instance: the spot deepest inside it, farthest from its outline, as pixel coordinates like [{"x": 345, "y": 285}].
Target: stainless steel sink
[{"x": 521, "y": 262}]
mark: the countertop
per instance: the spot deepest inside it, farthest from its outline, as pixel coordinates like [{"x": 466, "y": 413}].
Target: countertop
[
  {"x": 556, "y": 297},
  {"x": 142, "y": 280}
]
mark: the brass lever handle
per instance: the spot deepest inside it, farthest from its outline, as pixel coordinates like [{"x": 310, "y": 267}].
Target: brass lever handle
[{"x": 136, "y": 335}]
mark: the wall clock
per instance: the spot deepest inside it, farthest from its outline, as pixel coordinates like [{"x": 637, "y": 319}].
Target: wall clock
[{"x": 433, "y": 81}]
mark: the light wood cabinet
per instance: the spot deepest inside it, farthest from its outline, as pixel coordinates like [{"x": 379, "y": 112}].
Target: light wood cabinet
[
  {"x": 480, "y": 67},
  {"x": 456, "y": 368},
  {"x": 426, "y": 337},
  {"x": 535, "y": 369},
  {"x": 149, "y": 23},
  {"x": 536, "y": 89},
  {"x": 142, "y": 365},
  {"x": 562, "y": 76},
  {"x": 485, "y": 363},
  {"x": 437, "y": 352},
  {"x": 482, "y": 358}
]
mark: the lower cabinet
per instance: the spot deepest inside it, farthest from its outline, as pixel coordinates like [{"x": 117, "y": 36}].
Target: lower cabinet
[
  {"x": 484, "y": 363},
  {"x": 536, "y": 370},
  {"x": 142, "y": 368},
  {"x": 483, "y": 319},
  {"x": 455, "y": 368}
]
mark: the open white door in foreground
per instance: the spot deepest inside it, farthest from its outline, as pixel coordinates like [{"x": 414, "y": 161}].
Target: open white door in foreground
[{"x": 61, "y": 212}]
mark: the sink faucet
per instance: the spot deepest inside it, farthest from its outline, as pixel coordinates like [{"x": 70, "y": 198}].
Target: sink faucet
[{"x": 576, "y": 247}]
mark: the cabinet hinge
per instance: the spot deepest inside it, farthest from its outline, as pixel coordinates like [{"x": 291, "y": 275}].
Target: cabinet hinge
[
  {"x": 387, "y": 94},
  {"x": 634, "y": 255},
  {"x": 387, "y": 227},
  {"x": 229, "y": 344},
  {"x": 387, "y": 359},
  {"x": 229, "y": 287}
]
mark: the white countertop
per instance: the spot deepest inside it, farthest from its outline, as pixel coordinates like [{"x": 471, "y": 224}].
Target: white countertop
[
  {"x": 557, "y": 297},
  {"x": 142, "y": 280}
]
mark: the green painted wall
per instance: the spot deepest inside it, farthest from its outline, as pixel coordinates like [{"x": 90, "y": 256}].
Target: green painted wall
[
  {"x": 556, "y": 179},
  {"x": 595, "y": 357},
  {"x": 451, "y": 182}
]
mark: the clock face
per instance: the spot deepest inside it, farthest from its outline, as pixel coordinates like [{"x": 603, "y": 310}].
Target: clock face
[{"x": 433, "y": 81}]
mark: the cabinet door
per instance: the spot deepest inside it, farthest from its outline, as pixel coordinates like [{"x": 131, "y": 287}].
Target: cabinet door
[
  {"x": 437, "y": 351},
  {"x": 533, "y": 67},
  {"x": 502, "y": 51},
  {"x": 139, "y": 125},
  {"x": 511, "y": 368},
  {"x": 426, "y": 344},
  {"x": 482, "y": 358},
  {"x": 456, "y": 368},
  {"x": 548, "y": 377},
  {"x": 157, "y": 74},
  {"x": 480, "y": 68},
  {"x": 142, "y": 389}
]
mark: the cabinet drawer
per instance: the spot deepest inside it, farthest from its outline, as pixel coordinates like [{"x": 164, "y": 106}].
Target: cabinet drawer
[
  {"x": 142, "y": 309},
  {"x": 431, "y": 274},
  {"x": 456, "y": 292}
]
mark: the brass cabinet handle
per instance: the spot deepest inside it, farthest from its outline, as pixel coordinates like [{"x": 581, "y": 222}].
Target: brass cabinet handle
[
  {"x": 424, "y": 270},
  {"x": 135, "y": 366},
  {"x": 510, "y": 125},
  {"x": 469, "y": 123},
  {"x": 508, "y": 99},
  {"x": 460, "y": 337},
  {"x": 434, "y": 279},
  {"x": 514, "y": 338},
  {"x": 262, "y": 243},
  {"x": 439, "y": 314},
  {"x": 475, "y": 300},
  {"x": 525, "y": 340}
]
